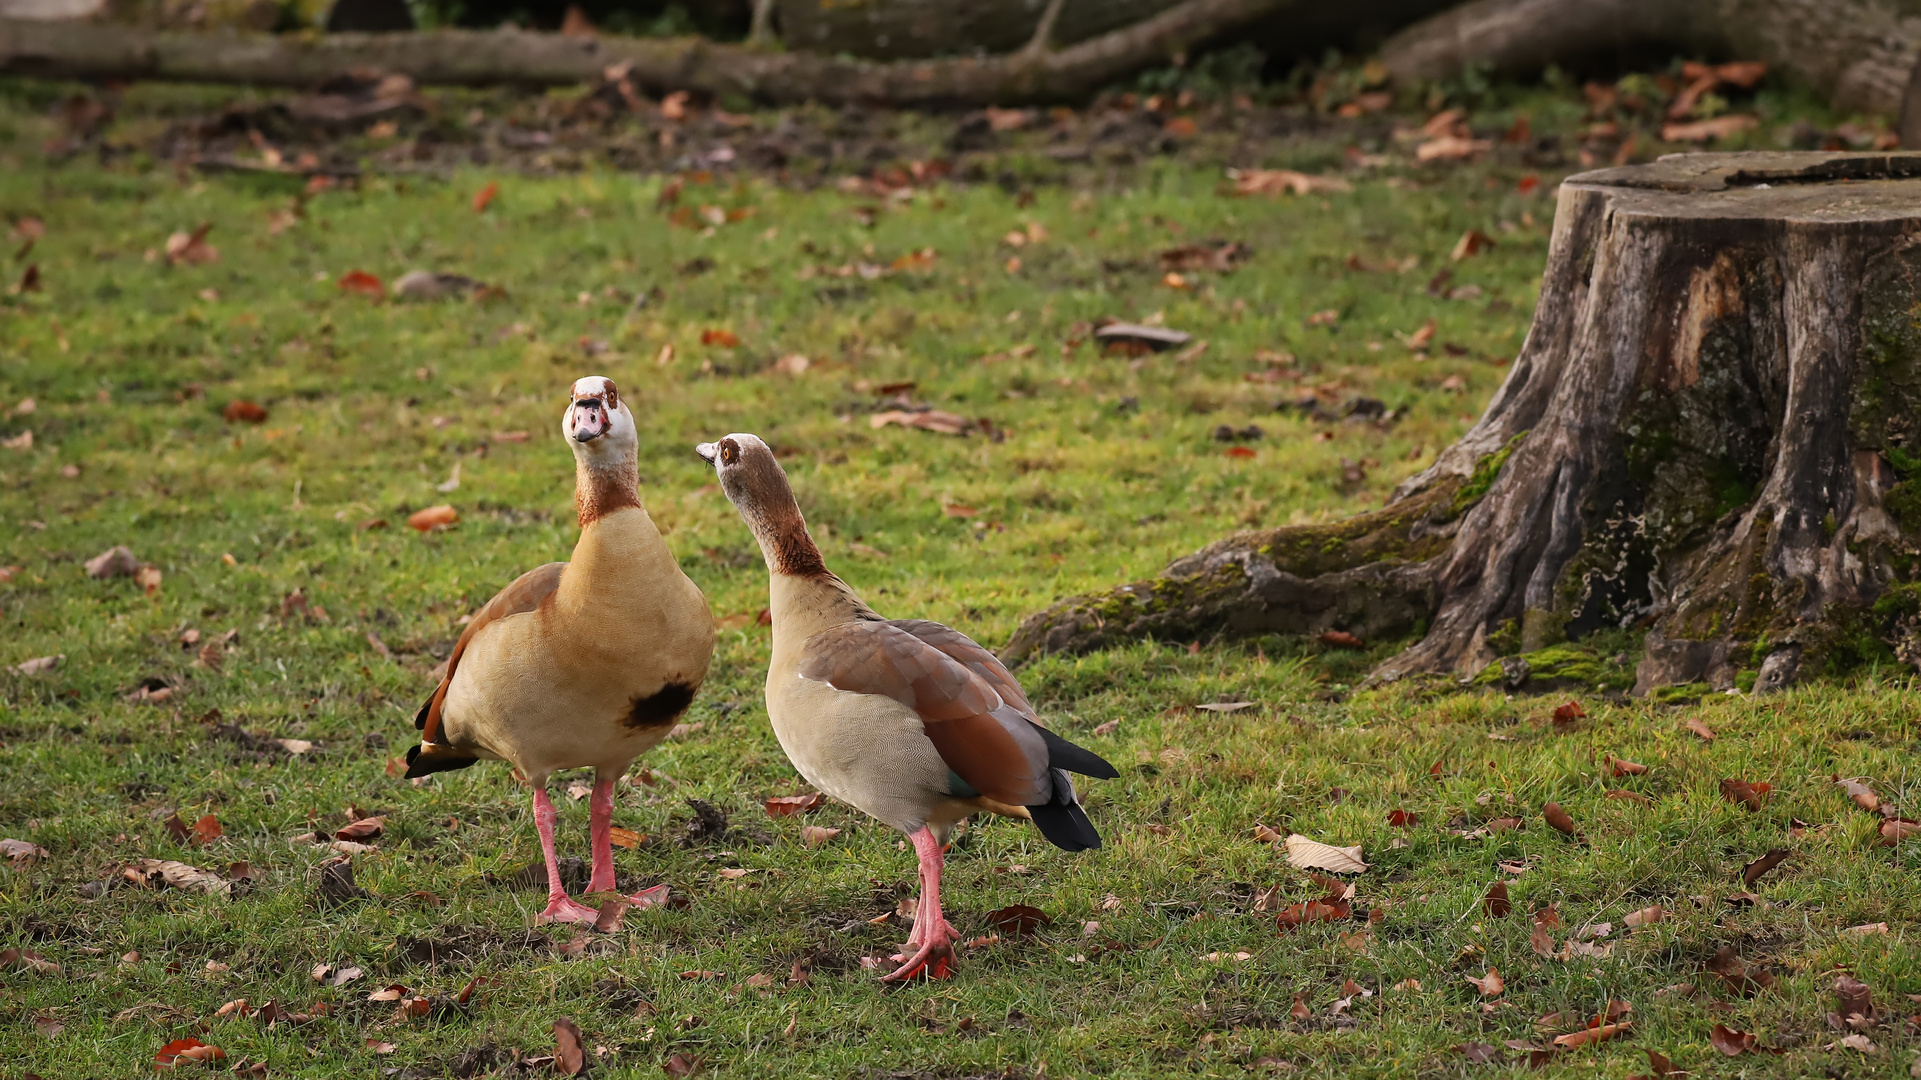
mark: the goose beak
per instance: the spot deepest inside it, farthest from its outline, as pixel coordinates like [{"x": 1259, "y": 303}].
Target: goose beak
[
  {"x": 707, "y": 451},
  {"x": 590, "y": 420}
]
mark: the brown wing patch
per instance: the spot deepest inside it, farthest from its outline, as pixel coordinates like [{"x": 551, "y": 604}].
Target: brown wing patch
[
  {"x": 969, "y": 653},
  {"x": 881, "y": 658},
  {"x": 984, "y": 740},
  {"x": 525, "y": 593}
]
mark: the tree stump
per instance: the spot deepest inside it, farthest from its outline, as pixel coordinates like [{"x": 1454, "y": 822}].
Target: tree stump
[{"x": 1712, "y": 433}]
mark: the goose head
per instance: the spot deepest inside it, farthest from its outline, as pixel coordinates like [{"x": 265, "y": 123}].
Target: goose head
[{"x": 597, "y": 424}]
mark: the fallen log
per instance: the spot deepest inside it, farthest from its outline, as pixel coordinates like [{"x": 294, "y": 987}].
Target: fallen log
[
  {"x": 1712, "y": 432},
  {"x": 1858, "y": 52},
  {"x": 473, "y": 58}
]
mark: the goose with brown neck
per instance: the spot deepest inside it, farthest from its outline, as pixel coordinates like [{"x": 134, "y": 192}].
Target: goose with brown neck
[
  {"x": 579, "y": 664},
  {"x": 906, "y": 720}
]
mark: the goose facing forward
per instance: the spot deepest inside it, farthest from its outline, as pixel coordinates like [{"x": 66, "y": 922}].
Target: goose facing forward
[
  {"x": 907, "y": 720},
  {"x": 581, "y": 664}
]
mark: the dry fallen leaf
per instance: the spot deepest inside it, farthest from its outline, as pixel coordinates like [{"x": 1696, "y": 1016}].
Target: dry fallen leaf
[
  {"x": 362, "y": 283},
  {"x": 1646, "y": 916},
  {"x": 1720, "y": 127},
  {"x": 21, "y": 853},
  {"x": 186, "y": 1052},
  {"x": 1595, "y": 1034},
  {"x": 1753, "y": 871},
  {"x": 1695, "y": 725},
  {"x": 1896, "y": 829},
  {"x": 1018, "y": 920},
  {"x": 158, "y": 873},
  {"x": 192, "y": 248},
  {"x": 1496, "y": 902},
  {"x": 1490, "y": 985},
  {"x": 1309, "y": 854},
  {"x": 1862, "y": 794},
  {"x": 1471, "y": 243},
  {"x": 788, "y": 805},
  {"x": 1559, "y": 818},
  {"x": 1729, "y": 1041},
  {"x": 368, "y": 828},
  {"x": 433, "y": 517},
  {"x": 1743, "y": 793},
  {"x": 1623, "y": 767},
  {"x": 570, "y": 1059},
  {"x": 1277, "y": 181},
  {"x": 815, "y": 835}
]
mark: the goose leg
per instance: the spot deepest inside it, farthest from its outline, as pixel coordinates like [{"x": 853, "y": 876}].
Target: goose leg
[
  {"x": 932, "y": 941},
  {"x": 560, "y": 907},
  {"x": 601, "y": 808}
]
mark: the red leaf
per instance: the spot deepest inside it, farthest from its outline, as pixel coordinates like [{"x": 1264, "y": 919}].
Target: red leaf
[
  {"x": 186, "y": 1051},
  {"x": 242, "y": 411},
  {"x": 485, "y": 196},
  {"x": 1341, "y": 639},
  {"x": 1402, "y": 819},
  {"x": 789, "y": 805},
  {"x": 207, "y": 830},
  {"x": 1568, "y": 712},
  {"x": 718, "y": 336},
  {"x": 1743, "y": 793},
  {"x": 360, "y": 281},
  {"x": 1313, "y": 911},
  {"x": 1240, "y": 452},
  {"x": 1597, "y": 1033}
]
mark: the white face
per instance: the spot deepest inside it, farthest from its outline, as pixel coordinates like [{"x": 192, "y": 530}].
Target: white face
[{"x": 597, "y": 423}]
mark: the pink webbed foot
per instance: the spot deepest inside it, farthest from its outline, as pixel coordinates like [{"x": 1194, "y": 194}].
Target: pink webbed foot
[
  {"x": 934, "y": 958},
  {"x": 563, "y": 909}
]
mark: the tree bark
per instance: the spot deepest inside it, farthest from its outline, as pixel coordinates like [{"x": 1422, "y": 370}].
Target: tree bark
[
  {"x": 1858, "y": 52},
  {"x": 1708, "y": 434},
  {"x": 466, "y": 57}
]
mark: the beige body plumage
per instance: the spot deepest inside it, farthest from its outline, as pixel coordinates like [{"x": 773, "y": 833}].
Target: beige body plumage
[
  {"x": 905, "y": 719},
  {"x": 582, "y": 664}
]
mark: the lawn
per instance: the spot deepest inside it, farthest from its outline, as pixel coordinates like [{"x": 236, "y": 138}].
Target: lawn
[{"x": 293, "y": 603}]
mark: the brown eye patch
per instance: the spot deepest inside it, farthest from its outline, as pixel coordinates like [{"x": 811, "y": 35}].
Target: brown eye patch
[
  {"x": 612, "y": 394},
  {"x": 729, "y": 451}
]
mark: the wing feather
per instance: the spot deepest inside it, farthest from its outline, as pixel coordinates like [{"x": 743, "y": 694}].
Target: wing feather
[{"x": 523, "y": 594}]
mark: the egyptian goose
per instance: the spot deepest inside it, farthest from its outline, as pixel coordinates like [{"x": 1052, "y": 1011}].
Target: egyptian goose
[
  {"x": 907, "y": 720},
  {"x": 578, "y": 664}
]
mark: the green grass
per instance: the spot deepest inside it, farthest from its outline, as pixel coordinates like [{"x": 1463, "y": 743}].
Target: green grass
[{"x": 1108, "y": 469}]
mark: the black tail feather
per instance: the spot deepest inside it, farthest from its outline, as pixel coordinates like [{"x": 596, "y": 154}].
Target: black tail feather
[
  {"x": 1062, "y": 754},
  {"x": 1066, "y": 826},
  {"x": 441, "y": 760}
]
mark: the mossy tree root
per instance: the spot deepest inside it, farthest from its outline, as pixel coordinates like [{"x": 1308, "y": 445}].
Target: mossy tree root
[{"x": 1708, "y": 435}]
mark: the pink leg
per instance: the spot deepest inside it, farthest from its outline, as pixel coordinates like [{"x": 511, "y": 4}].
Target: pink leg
[
  {"x": 560, "y": 908},
  {"x": 932, "y": 939},
  {"x": 601, "y": 808}
]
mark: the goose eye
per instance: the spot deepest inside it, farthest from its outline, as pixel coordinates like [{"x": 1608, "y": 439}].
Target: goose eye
[{"x": 729, "y": 452}]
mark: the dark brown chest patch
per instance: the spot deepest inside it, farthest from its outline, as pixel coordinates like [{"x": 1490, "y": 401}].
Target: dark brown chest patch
[{"x": 663, "y": 706}]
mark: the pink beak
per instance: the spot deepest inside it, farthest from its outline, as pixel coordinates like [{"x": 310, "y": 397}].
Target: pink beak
[{"x": 590, "y": 420}]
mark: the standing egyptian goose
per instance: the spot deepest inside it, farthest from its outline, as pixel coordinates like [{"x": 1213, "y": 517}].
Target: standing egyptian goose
[
  {"x": 909, "y": 721},
  {"x": 582, "y": 664}
]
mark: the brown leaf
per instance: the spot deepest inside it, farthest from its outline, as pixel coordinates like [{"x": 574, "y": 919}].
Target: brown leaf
[
  {"x": 368, "y": 828},
  {"x": 679, "y": 1065},
  {"x": 192, "y": 248},
  {"x": 570, "y": 1059},
  {"x": 1695, "y": 725},
  {"x": 1854, "y": 997},
  {"x": 1503, "y": 824},
  {"x": 1741, "y": 977},
  {"x": 433, "y": 517},
  {"x": 1294, "y": 915},
  {"x": 1472, "y": 242},
  {"x": 1896, "y": 829},
  {"x": 1752, "y": 872},
  {"x": 206, "y": 830},
  {"x": 1559, "y": 818},
  {"x": 1720, "y": 127},
  {"x": 1730, "y": 1042},
  {"x": 1018, "y": 920},
  {"x": 363, "y": 284},
  {"x": 1277, "y": 181},
  {"x": 1479, "y": 1053},
  {"x": 1661, "y": 1067},
  {"x": 163, "y": 873},
  {"x": 1300, "y": 1011},
  {"x": 1863, "y": 795},
  {"x": 1742, "y": 793},
  {"x": 1629, "y": 796},
  {"x": 1567, "y": 713},
  {"x": 1598, "y": 1033},
  {"x": 1624, "y": 767},
  {"x": 1341, "y": 639},
  {"x": 1490, "y": 985},
  {"x": 1496, "y": 902},
  {"x": 612, "y": 910},
  {"x": 1646, "y": 916},
  {"x": 186, "y": 1052},
  {"x": 1307, "y": 854},
  {"x": 1402, "y": 819},
  {"x": 21, "y": 853},
  {"x": 28, "y": 959},
  {"x": 625, "y": 838},
  {"x": 815, "y": 835},
  {"x": 375, "y": 1046}
]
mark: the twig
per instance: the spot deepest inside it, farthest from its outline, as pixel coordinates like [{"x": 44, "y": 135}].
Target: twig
[{"x": 1043, "y": 40}]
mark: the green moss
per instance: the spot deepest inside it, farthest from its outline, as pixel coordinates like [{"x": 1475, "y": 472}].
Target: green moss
[
  {"x": 1485, "y": 472},
  {"x": 1568, "y": 666},
  {"x": 1903, "y": 504},
  {"x": 1684, "y": 694}
]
